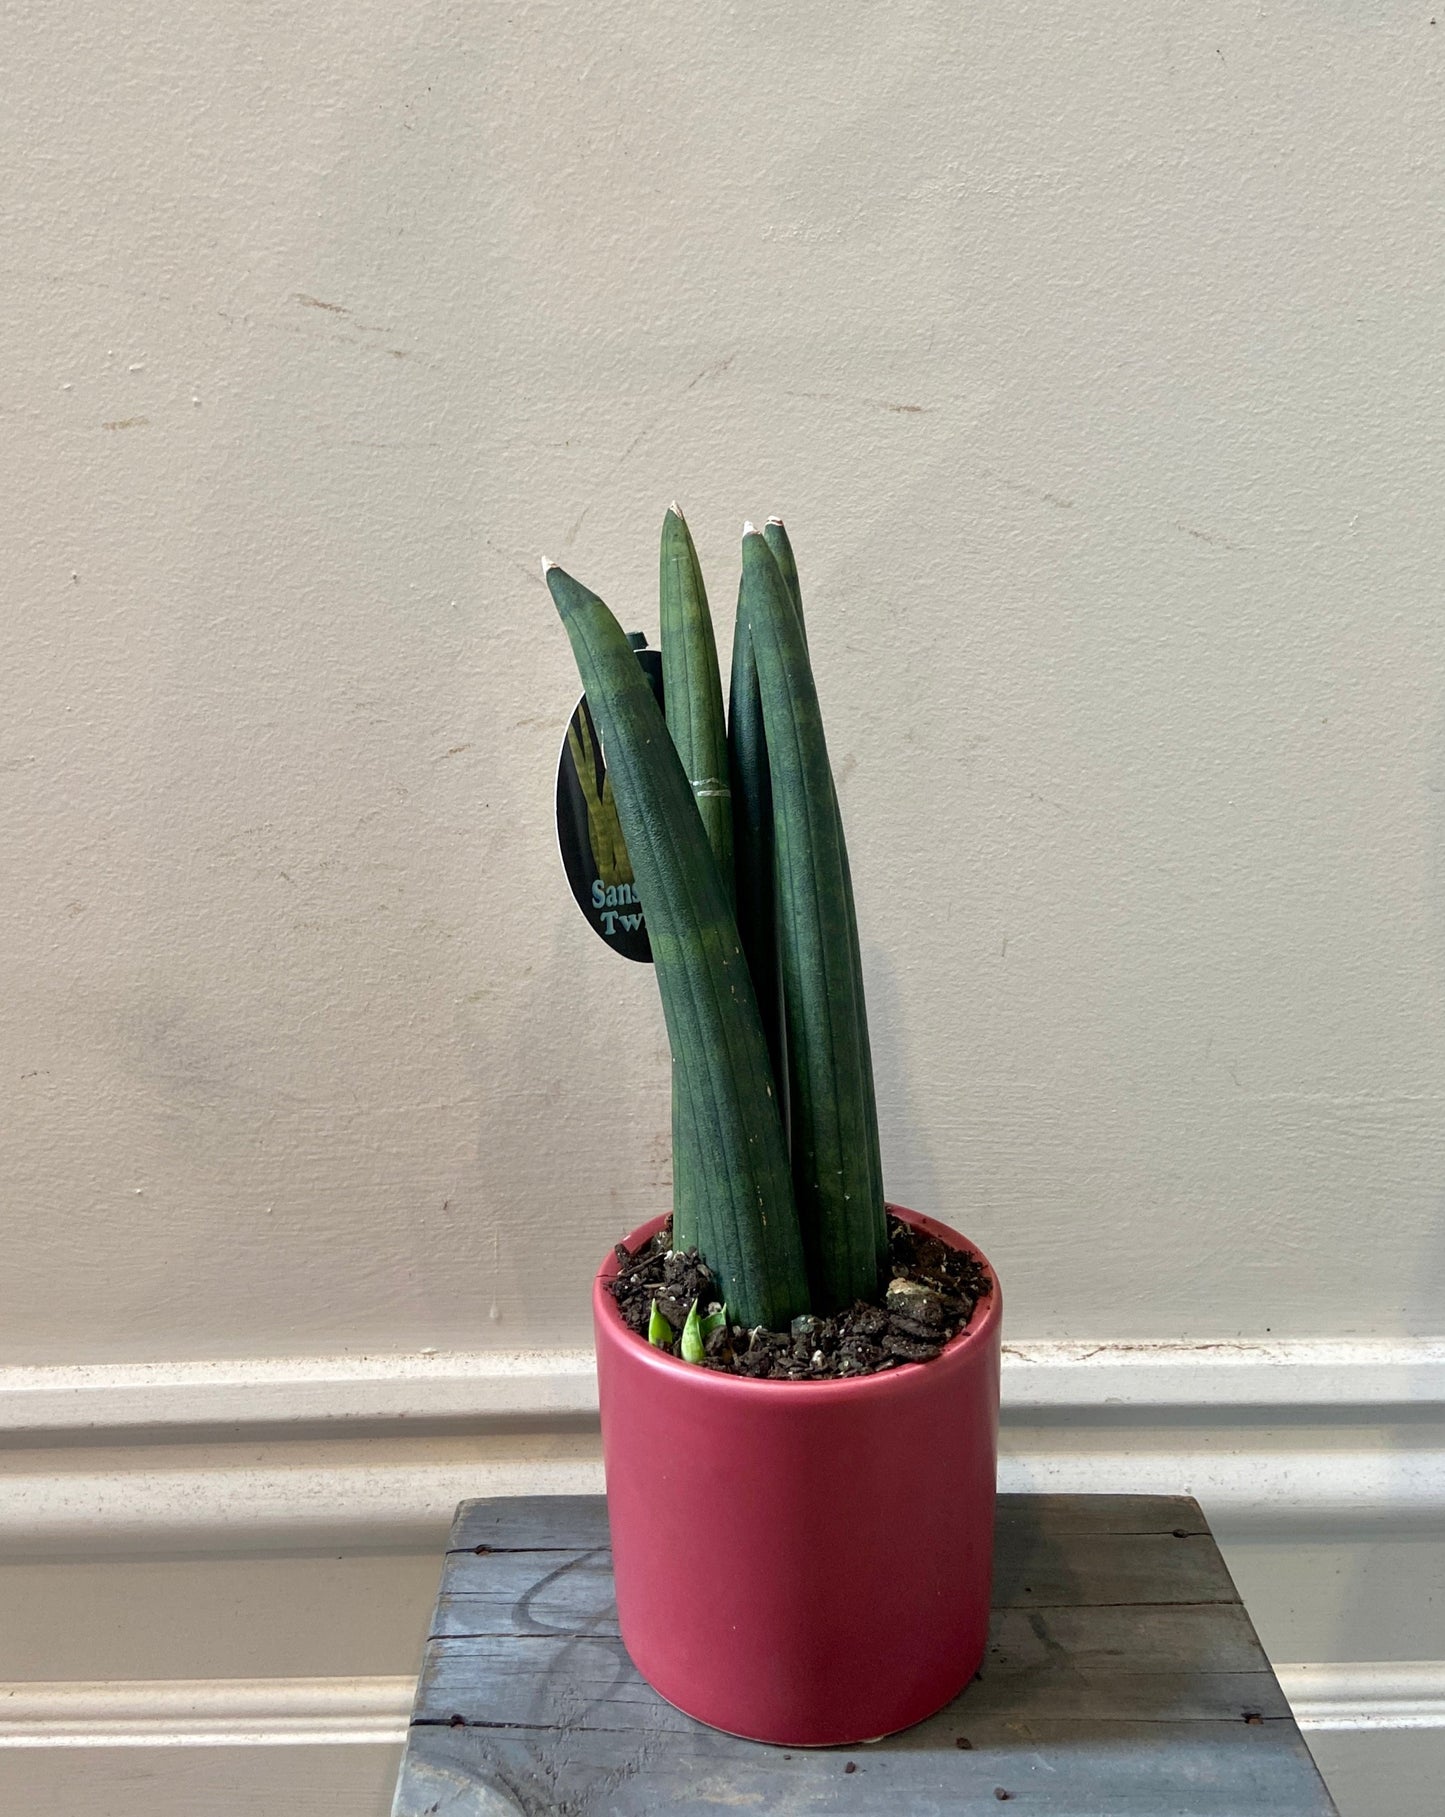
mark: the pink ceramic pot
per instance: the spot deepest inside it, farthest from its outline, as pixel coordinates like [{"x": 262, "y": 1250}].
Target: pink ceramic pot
[{"x": 805, "y": 1563}]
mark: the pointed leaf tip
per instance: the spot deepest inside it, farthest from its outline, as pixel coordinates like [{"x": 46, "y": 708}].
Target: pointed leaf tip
[
  {"x": 749, "y": 529},
  {"x": 776, "y": 520},
  {"x": 547, "y": 566},
  {"x": 676, "y": 511}
]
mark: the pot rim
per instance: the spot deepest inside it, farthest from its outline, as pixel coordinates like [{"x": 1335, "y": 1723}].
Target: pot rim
[{"x": 977, "y": 1337}]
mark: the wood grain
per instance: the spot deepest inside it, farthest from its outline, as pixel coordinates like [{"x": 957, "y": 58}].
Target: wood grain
[{"x": 1123, "y": 1679}]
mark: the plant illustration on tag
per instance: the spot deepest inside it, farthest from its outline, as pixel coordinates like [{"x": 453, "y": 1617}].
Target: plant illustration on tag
[{"x": 589, "y": 831}]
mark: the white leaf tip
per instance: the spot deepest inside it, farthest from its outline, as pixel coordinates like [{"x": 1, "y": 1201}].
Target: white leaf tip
[
  {"x": 676, "y": 510},
  {"x": 776, "y": 520},
  {"x": 749, "y": 529},
  {"x": 547, "y": 566}
]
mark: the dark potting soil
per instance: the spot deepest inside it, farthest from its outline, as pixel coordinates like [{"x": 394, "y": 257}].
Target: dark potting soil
[{"x": 931, "y": 1293}]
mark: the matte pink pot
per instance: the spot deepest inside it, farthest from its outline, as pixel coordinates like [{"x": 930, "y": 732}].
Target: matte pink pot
[{"x": 805, "y": 1563}]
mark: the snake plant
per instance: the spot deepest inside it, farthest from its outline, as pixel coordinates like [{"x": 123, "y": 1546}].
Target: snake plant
[{"x": 735, "y": 842}]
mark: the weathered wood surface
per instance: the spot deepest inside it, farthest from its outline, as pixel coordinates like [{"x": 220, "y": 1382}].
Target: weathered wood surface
[{"x": 1123, "y": 1679}]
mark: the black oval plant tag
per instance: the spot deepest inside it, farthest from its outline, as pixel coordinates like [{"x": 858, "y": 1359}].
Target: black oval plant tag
[{"x": 589, "y": 835}]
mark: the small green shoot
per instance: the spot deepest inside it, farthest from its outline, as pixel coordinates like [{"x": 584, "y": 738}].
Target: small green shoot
[
  {"x": 692, "y": 1350},
  {"x": 712, "y": 1321},
  {"x": 659, "y": 1332}
]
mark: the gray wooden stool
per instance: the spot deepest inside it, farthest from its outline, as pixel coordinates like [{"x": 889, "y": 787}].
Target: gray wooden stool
[{"x": 1123, "y": 1679}]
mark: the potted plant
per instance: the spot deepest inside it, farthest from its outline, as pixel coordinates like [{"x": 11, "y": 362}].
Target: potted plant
[{"x": 798, "y": 1382}]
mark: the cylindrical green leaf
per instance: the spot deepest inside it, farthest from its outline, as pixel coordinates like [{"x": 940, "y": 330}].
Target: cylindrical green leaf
[
  {"x": 753, "y": 845},
  {"x": 692, "y": 702},
  {"x": 837, "y": 1178},
  {"x": 776, "y": 536},
  {"x": 692, "y": 686}
]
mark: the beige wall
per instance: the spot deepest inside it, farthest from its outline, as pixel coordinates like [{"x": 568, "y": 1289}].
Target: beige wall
[{"x": 1093, "y": 356}]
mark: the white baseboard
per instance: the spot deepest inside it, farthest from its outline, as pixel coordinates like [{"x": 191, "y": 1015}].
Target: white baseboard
[
  {"x": 1328, "y": 1374},
  {"x": 1391, "y": 1694},
  {"x": 206, "y": 1713},
  {"x": 359, "y": 1712},
  {"x": 383, "y": 1447},
  {"x": 354, "y": 1390},
  {"x": 279, "y": 1392}
]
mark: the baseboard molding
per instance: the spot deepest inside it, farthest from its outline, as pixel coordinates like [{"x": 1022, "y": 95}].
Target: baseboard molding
[
  {"x": 362, "y": 1450},
  {"x": 279, "y": 1392},
  {"x": 338, "y": 1391},
  {"x": 1390, "y": 1694},
  {"x": 362, "y": 1712},
  {"x": 1332, "y": 1374},
  {"x": 206, "y": 1713}
]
